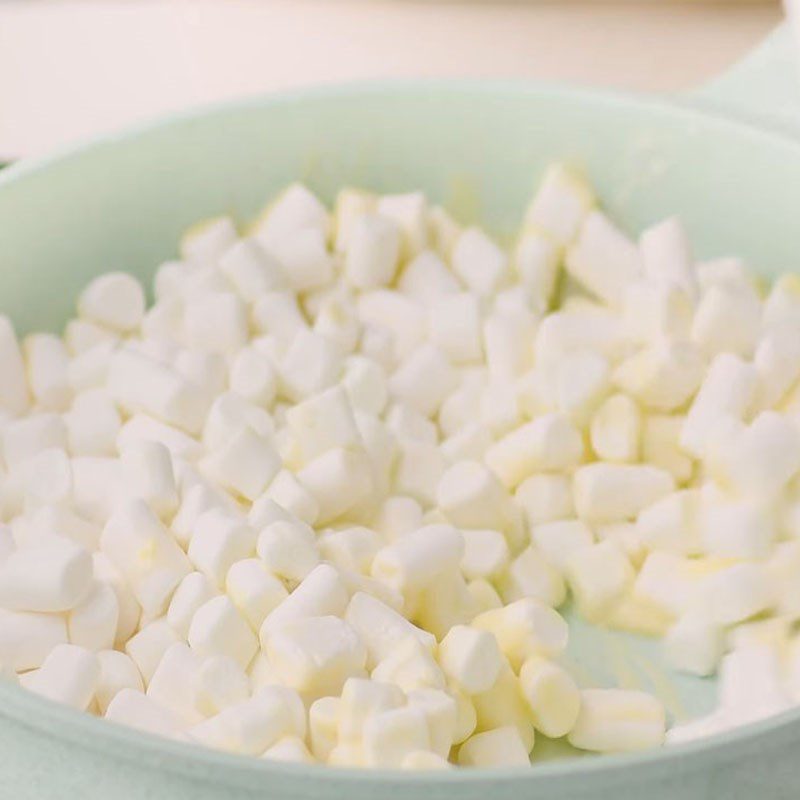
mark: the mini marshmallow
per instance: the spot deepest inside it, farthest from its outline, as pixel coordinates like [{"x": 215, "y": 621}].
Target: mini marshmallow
[
  {"x": 93, "y": 425},
  {"x": 218, "y": 682},
  {"x": 470, "y": 658},
  {"x": 218, "y": 628},
  {"x": 53, "y": 575},
  {"x": 471, "y": 496},
  {"x": 524, "y": 628},
  {"x": 615, "y": 492},
  {"x": 615, "y": 430},
  {"x": 68, "y": 675},
  {"x": 148, "y": 645},
  {"x": 304, "y": 258},
  {"x": 454, "y": 326},
  {"x": 504, "y": 704},
  {"x": 338, "y": 480},
  {"x": 662, "y": 376},
  {"x": 530, "y": 574},
  {"x": 545, "y": 498},
  {"x": 653, "y": 310},
  {"x": 373, "y": 246},
  {"x": 218, "y": 541},
  {"x": 403, "y": 318},
  {"x": 499, "y": 747},
  {"x": 668, "y": 582},
  {"x": 311, "y": 363},
  {"x": 173, "y": 680},
  {"x": 366, "y": 384},
  {"x": 694, "y": 644},
  {"x": 415, "y": 560},
  {"x": 671, "y": 523},
  {"x": 479, "y": 262},
  {"x": 441, "y": 713},
  {"x": 444, "y": 603},
  {"x": 390, "y": 736},
  {"x": 147, "y": 556},
  {"x": 617, "y": 721},
  {"x": 737, "y": 593},
  {"x": 141, "y": 384},
  {"x": 24, "y": 438},
  {"x": 427, "y": 279},
  {"x": 277, "y": 314},
  {"x": 47, "y": 361},
  {"x": 603, "y": 259},
  {"x": 27, "y": 638},
  {"x": 560, "y": 540},
  {"x": 507, "y": 338},
  {"x": 562, "y": 202},
  {"x": 315, "y": 655},
  {"x": 321, "y": 593},
  {"x": 424, "y": 379},
  {"x": 288, "y": 549},
  {"x": 398, "y": 515},
  {"x": 350, "y": 548},
  {"x": 228, "y": 415},
  {"x": 409, "y": 212},
  {"x": 660, "y": 445},
  {"x": 290, "y": 750},
  {"x": 253, "y": 377},
  {"x": 550, "y": 443},
  {"x": 727, "y": 320},
  {"x": 134, "y": 709},
  {"x": 114, "y": 300},
  {"x": 486, "y": 553},
  {"x": 406, "y": 423},
  {"x": 192, "y": 592},
  {"x": 148, "y": 474},
  {"x": 537, "y": 262},
  {"x": 255, "y": 724},
  {"x": 323, "y": 724},
  {"x": 117, "y": 672},
  {"x": 14, "y": 392},
  {"x": 728, "y": 388},
  {"x": 251, "y": 269},
  {"x": 93, "y": 623},
  {"x": 418, "y": 471},
  {"x": 552, "y": 695},
  {"x": 254, "y": 590},
  {"x": 667, "y": 257}
]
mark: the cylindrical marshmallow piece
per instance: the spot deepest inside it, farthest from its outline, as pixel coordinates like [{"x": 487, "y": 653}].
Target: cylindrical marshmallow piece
[
  {"x": 53, "y": 575},
  {"x": 552, "y": 695},
  {"x": 68, "y": 675},
  {"x": 26, "y": 638},
  {"x": 618, "y": 721}
]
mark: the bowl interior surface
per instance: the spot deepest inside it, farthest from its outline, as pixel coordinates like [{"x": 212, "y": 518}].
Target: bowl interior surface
[{"x": 478, "y": 148}]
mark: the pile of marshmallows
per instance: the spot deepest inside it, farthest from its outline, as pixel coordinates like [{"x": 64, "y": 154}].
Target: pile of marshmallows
[{"x": 320, "y": 502}]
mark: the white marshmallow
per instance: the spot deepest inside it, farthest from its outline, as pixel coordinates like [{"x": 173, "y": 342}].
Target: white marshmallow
[
  {"x": 147, "y": 470},
  {"x": 603, "y": 259},
  {"x": 470, "y": 658},
  {"x": 727, "y": 389},
  {"x": 615, "y": 429},
  {"x": 338, "y": 480},
  {"x": 217, "y": 627},
  {"x": 618, "y": 721},
  {"x": 304, "y": 259},
  {"x": 68, "y": 675},
  {"x": 371, "y": 255},
  {"x": 499, "y": 747},
  {"x": 134, "y": 709},
  {"x": 218, "y": 683},
  {"x": 671, "y": 523},
  {"x": 415, "y": 560},
  {"x": 53, "y": 575},
  {"x": 537, "y": 261},
  {"x": 382, "y": 629},
  {"x": 397, "y": 516},
  {"x": 148, "y": 646},
  {"x": 661, "y": 445},
  {"x": 14, "y": 393},
  {"x": 410, "y": 213},
  {"x": 315, "y": 655},
  {"x": 545, "y": 498},
  {"x": 311, "y": 363},
  {"x": 255, "y": 724},
  {"x": 427, "y": 279},
  {"x": 727, "y": 320},
  {"x": 524, "y": 628},
  {"x": 27, "y": 638},
  {"x": 552, "y": 695},
  {"x": 558, "y": 541},
  {"x": 142, "y": 550},
  {"x": 366, "y": 384},
  {"x": 424, "y": 379},
  {"x": 251, "y": 269},
  {"x": 114, "y": 300},
  {"x": 290, "y": 750},
  {"x": 47, "y": 362},
  {"x": 486, "y": 553},
  {"x": 323, "y": 724},
  {"x": 296, "y": 209},
  {"x": 507, "y": 341},
  {"x": 277, "y": 314},
  {"x": 117, "y": 672},
  {"x": 471, "y": 496},
  {"x": 194, "y": 590},
  {"x": 92, "y": 624},
  {"x": 737, "y": 593},
  {"x": 560, "y": 205},
  {"x": 322, "y": 593},
  {"x": 252, "y": 376},
  {"x": 404, "y": 319},
  {"x": 667, "y": 257},
  {"x": 254, "y": 590},
  {"x": 389, "y": 736},
  {"x": 530, "y": 574},
  {"x": 288, "y": 549},
  {"x": 350, "y": 548},
  {"x": 218, "y": 541},
  {"x": 662, "y": 376},
  {"x": 173, "y": 680},
  {"x": 93, "y": 425},
  {"x": 550, "y": 443},
  {"x": 504, "y": 704},
  {"x": 441, "y": 714},
  {"x": 652, "y": 310},
  {"x": 245, "y": 464},
  {"x": 454, "y": 326},
  {"x": 615, "y": 492},
  {"x": 24, "y": 438},
  {"x": 694, "y": 644}
]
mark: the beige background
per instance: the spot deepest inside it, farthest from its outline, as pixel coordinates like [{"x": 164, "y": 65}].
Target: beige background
[{"x": 74, "y": 69}]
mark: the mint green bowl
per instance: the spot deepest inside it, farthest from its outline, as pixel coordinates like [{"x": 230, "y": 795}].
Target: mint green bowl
[{"x": 726, "y": 158}]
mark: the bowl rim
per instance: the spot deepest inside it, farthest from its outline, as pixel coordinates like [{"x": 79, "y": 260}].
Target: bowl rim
[{"x": 56, "y": 721}]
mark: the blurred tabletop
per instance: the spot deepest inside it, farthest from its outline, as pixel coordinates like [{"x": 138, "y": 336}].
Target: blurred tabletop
[{"x": 69, "y": 70}]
